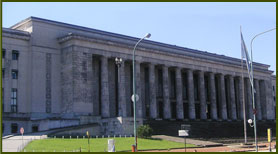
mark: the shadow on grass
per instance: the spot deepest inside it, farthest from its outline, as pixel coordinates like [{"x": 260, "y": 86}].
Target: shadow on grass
[{"x": 158, "y": 139}]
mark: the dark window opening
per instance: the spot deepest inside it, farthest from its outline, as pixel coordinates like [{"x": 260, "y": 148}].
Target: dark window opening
[
  {"x": 173, "y": 110},
  {"x": 14, "y": 100},
  {"x": 196, "y": 87},
  {"x": 173, "y": 84},
  {"x": 197, "y": 110},
  {"x": 160, "y": 83},
  {"x": 14, "y": 74},
  {"x": 2, "y": 100},
  {"x": 185, "y": 111},
  {"x": 3, "y": 53},
  {"x": 184, "y": 86},
  {"x": 227, "y": 93},
  {"x": 218, "y": 97},
  {"x": 15, "y": 55},
  {"x": 35, "y": 128},
  {"x": 160, "y": 109},
  {"x": 208, "y": 111},
  {"x": 14, "y": 128},
  {"x": 3, "y": 73},
  {"x": 207, "y": 88}
]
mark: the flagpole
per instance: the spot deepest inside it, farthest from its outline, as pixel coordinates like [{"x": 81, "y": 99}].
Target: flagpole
[
  {"x": 243, "y": 100},
  {"x": 253, "y": 100}
]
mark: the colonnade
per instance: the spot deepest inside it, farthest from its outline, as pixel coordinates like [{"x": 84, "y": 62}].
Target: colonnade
[{"x": 167, "y": 92}]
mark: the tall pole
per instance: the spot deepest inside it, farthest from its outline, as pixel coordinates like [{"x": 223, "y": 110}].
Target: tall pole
[
  {"x": 243, "y": 101},
  {"x": 252, "y": 84},
  {"x": 243, "y": 105},
  {"x": 134, "y": 88}
]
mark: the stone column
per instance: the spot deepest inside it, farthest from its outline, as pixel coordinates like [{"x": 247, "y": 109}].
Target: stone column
[
  {"x": 122, "y": 91},
  {"x": 104, "y": 88},
  {"x": 257, "y": 100},
  {"x": 139, "y": 112},
  {"x": 96, "y": 86},
  {"x": 203, "y": 103},
  {"x": 153, "y": 103},
  {"x": 232, "y": 98},
  {"x": 263, "y": 98},
  {"x": 241, "y": 97},
  {"x": 269, "y": 102},
  {"x": 213, "y": 106},
  {"x": 249, "y": 99},
  {"x": 179, "y": 104},
  {"x": 166, "y": 99},
  {"x": 191, "y": 101},
  {"x": 223, "y": 98},
  {"x": 143, "y": 89}
]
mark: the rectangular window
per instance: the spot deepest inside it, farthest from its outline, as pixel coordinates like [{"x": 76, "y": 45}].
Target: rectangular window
[
  {"x": 15, "y": 55},
  {"x": 2, "y": 100},
  {"x": 14, "y": 128},
  {"x": 14, "y": 74},
  {"x": 3, "y": 73},
  {"x": 14, "y": 100},
  {"x": 3, "y": 53}
]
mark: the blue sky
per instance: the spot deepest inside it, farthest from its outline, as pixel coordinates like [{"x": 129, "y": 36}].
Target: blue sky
[{"x": 212, "y": 27}]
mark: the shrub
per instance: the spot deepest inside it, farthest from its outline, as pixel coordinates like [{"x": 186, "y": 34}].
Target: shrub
[{"x": 145, "y": 131}]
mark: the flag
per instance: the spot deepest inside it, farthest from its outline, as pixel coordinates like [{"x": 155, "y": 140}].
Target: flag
[{"x": 244, "y": 54}]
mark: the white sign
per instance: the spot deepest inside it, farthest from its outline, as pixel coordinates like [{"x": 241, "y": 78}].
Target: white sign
[
  {"x": 183, "y": 132},
  {"x": 21, "y": 130},
  {"x": 136, "y": 97},
  {"x": 111, "y": 145}
]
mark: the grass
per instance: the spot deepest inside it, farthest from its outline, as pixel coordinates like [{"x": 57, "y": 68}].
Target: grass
[{"x": 99, "y": 145}]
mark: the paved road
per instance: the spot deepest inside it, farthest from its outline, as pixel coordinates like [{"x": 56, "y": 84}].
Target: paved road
[
  {"x": 16, "y": 143},
  {"x": 263, "y": 147},
  {"x": 188, "y": 141}
]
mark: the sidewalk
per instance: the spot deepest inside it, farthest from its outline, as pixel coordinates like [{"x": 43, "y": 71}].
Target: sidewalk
[
  {"x": 188, "y": 141},
  {"x": 17, "y": 143},
  {"x": 263, "y": 147}
]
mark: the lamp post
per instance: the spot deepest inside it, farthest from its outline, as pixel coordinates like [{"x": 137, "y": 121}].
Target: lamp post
[
  {"x": 252, "y": 85},
  {"x": 118, "y": 62},
  {"x": 148, "y": 35}
]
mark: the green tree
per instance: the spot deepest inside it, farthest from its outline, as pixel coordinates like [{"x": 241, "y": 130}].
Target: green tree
[{"x": 145, "y": 131}]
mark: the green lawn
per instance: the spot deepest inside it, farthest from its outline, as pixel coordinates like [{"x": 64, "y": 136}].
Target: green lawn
[{"x": 99, "y": 145}]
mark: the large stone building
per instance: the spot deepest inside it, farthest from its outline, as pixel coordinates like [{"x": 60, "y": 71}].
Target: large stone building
[{"x": 57, "y": 75}]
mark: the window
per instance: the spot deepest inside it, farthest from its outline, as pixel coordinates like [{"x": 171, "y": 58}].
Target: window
[
  {"x": 15, "y": 55},
  {"x": 3, "y": 53},
  {"x": 2, "y": 100},
  {"x": 14, "y": 74},
  {"x": 273, "y": 88},
  {"x": 3, "y": 127},
  {"x": 14, "y": 128},
  {"x": 3, "y": 73},
  {"x": 14, "y": 100},
  {"x": 35, "y": 128}
]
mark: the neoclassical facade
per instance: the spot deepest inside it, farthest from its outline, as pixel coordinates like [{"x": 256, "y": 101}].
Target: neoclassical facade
[{"x": 58, "y": 75}]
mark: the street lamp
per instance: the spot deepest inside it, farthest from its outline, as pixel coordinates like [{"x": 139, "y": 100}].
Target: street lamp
[
  {"x": 148, "y": 35},
  {"x": 118, "y": 62},
  {"x": 252, "y": 85}
]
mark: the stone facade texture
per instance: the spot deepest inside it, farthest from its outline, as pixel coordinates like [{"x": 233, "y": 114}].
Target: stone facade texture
[{"x": 67, "y": 76}]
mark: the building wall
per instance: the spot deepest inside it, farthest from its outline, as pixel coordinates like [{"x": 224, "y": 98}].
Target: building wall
[{"x": 67, "y": 71}]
